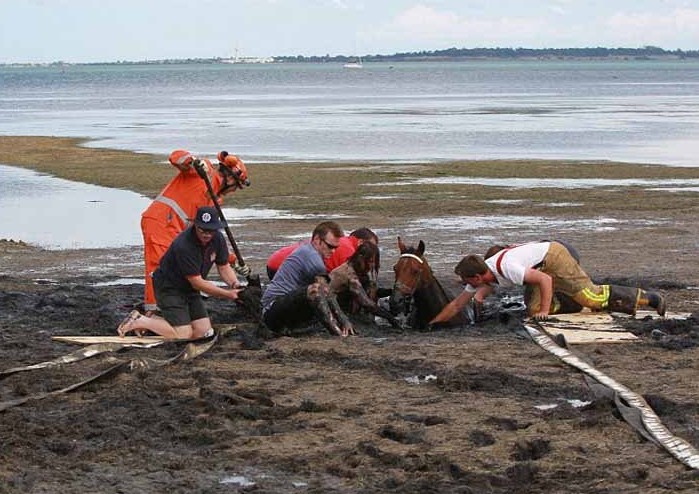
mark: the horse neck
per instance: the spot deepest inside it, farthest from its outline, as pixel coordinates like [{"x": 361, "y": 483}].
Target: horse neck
[{"x": 430, "y": 298}]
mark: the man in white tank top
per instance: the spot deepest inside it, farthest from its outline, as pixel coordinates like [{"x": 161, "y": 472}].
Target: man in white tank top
[{"x": 545, "y": 268}]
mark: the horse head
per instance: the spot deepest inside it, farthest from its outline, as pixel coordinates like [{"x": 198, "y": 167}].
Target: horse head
[
  {"x": 411, "y": 269},
  {"x": 412, "y": 275},
  {"x": 415, "y": 289}
]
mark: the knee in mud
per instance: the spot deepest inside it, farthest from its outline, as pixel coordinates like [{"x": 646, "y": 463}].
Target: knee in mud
[{"x": 317, "y": 289}]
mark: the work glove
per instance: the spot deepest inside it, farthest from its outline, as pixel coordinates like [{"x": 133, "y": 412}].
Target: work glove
[
  {"x": 242, "y": 270},
  {"x": 200, "y": 167}
]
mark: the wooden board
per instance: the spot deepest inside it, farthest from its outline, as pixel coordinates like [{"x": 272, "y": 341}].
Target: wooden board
[
  {"x": 127, "y": 340},
  {"x": 133, "y": 340},
  {"x": 577, "y": 336},
  {"x": 588, "y": 327},
  {"x": 598, "y": 327}
]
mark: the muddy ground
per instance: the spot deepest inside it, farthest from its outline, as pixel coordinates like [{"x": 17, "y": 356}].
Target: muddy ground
[{"x": 320, "y": 414}]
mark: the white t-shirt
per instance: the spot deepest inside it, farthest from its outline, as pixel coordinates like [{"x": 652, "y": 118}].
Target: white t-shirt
[{"x": 515, "y": 262}]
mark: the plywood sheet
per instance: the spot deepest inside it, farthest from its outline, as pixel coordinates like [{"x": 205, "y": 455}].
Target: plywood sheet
[
  {"x": 127, "y": 340},
  {"x": 577, "y": 336}
]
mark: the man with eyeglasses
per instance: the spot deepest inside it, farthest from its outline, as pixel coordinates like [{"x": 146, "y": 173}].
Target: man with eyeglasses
[
  {"x": 347, "y": 246},
  {"x": 181, "y": 277},
  {"x": 299, "y": 292}
]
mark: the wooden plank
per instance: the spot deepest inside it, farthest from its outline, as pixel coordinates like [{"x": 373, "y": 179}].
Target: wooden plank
[
  {"x": 600, "y": 322},
  {"x": 132, "y": 340},
  {"x": 576, "y": 336},
  {"x": 588, "y": 327},
  {"x": 127, "y": 340},
  {"x": 641, "y": 314},
  {"x": 585, "y": 318}
]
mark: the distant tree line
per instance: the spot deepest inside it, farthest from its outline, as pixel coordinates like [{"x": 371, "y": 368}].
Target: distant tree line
[
  {"x": 449, "y": 54},
  {"x": 645, "y": 53}
]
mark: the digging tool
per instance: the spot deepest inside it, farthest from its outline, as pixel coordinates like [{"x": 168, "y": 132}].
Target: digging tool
[{"x": 253, "y": 280}]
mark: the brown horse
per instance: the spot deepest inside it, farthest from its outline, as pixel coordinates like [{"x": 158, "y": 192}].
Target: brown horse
[{"x": 416, "y": 286}]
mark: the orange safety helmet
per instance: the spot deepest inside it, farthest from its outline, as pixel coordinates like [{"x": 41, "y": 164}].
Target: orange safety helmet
[
  {"x": 231, "y": 165},
  {"x": 181, "y": 159}
]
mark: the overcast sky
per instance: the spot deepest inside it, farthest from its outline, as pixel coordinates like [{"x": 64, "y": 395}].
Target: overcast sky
[{"x": 111, "y": 30}]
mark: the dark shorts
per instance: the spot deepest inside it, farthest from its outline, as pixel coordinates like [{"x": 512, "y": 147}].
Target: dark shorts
[
  {"x": 289, "y": 311},
  {"x": 178, "y": 308}
]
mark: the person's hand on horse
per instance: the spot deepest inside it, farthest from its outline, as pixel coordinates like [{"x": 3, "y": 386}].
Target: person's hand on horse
[{"x": 386, "y": 314}]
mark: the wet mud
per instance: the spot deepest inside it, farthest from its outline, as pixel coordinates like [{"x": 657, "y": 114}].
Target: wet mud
[
  {"x": 388, "y": 411},
  {"x": 459, "y": 410}
]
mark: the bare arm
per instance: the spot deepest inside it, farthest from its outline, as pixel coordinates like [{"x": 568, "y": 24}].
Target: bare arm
[
  {"x": 453, "y": 308},
  {"x": 545, "y": 284},
  {"x": 202, "y": 285},
  {"x": 363, "y": 299},
  {"x": 483, "y": 292},
  {"x": 361, "y": 296},
  {"x": 228, "y": 275}
]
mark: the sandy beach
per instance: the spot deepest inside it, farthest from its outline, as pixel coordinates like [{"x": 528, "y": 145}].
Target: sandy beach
[{"x": 320, "y": 414}]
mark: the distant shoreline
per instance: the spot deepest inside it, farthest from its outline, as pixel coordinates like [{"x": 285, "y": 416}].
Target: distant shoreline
[{"x": 647, "y": 53}]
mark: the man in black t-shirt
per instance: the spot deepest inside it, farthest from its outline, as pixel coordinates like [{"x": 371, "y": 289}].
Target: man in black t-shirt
[{"x": 180, "y": 278}]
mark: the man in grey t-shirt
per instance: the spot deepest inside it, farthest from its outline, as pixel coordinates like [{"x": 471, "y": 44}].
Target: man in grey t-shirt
[{"x": 299, "y": 291}]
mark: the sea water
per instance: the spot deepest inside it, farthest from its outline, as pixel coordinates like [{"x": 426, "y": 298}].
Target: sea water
[
  {"x": 60, "y": 214},
  {"x": 623, "y": 110},
  {"x": 630, "y": 110}
]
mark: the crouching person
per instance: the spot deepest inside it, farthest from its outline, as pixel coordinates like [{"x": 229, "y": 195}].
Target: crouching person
[
  {"x": 354, "y": 279},
  {"x": 181, "y": 277},
  {"x": 546, "y": 268},
  {"x": 299, "y": 292}
]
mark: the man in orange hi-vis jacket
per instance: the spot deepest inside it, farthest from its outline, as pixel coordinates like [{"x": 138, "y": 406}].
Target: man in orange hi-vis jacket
[{"x": 175, "y": 207}]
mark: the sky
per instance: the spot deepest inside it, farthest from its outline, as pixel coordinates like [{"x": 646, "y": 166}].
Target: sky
[{"x": 38, "y": 31}]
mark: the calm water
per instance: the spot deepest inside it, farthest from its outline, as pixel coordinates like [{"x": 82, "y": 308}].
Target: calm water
[
  {"x": 629, "y": 111},
  {"x": 636, "y": 111},
  {"x": 60, "y": 214}
]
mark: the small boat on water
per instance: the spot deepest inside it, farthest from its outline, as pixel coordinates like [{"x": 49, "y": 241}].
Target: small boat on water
[{"x": 354, "y": 64}]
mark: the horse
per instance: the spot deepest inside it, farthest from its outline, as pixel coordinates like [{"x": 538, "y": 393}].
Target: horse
[{"x": 415, "y": 282}]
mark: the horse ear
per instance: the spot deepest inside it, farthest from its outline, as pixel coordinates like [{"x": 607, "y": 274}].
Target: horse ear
[
  {"x": 401, "y": 245},
  {"x": 420, "y": 248}
]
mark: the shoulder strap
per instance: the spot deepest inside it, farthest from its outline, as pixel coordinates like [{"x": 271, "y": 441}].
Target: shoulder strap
[{"x": 498, "y": 263}]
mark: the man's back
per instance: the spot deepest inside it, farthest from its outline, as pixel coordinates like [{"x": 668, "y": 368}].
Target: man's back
[{"x": 299, "y": 269}]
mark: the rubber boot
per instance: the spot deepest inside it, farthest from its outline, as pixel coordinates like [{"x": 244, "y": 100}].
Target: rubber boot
[
  {"x": 653, "y": 300},
  {"x": 623, "y": 299}
]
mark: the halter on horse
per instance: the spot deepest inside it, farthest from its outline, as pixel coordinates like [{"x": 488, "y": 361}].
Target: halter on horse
[{"x": 415, "y": 281}]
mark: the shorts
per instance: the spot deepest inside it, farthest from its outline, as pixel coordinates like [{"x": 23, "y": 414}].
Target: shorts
[{"x": 178, "y": 308}]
